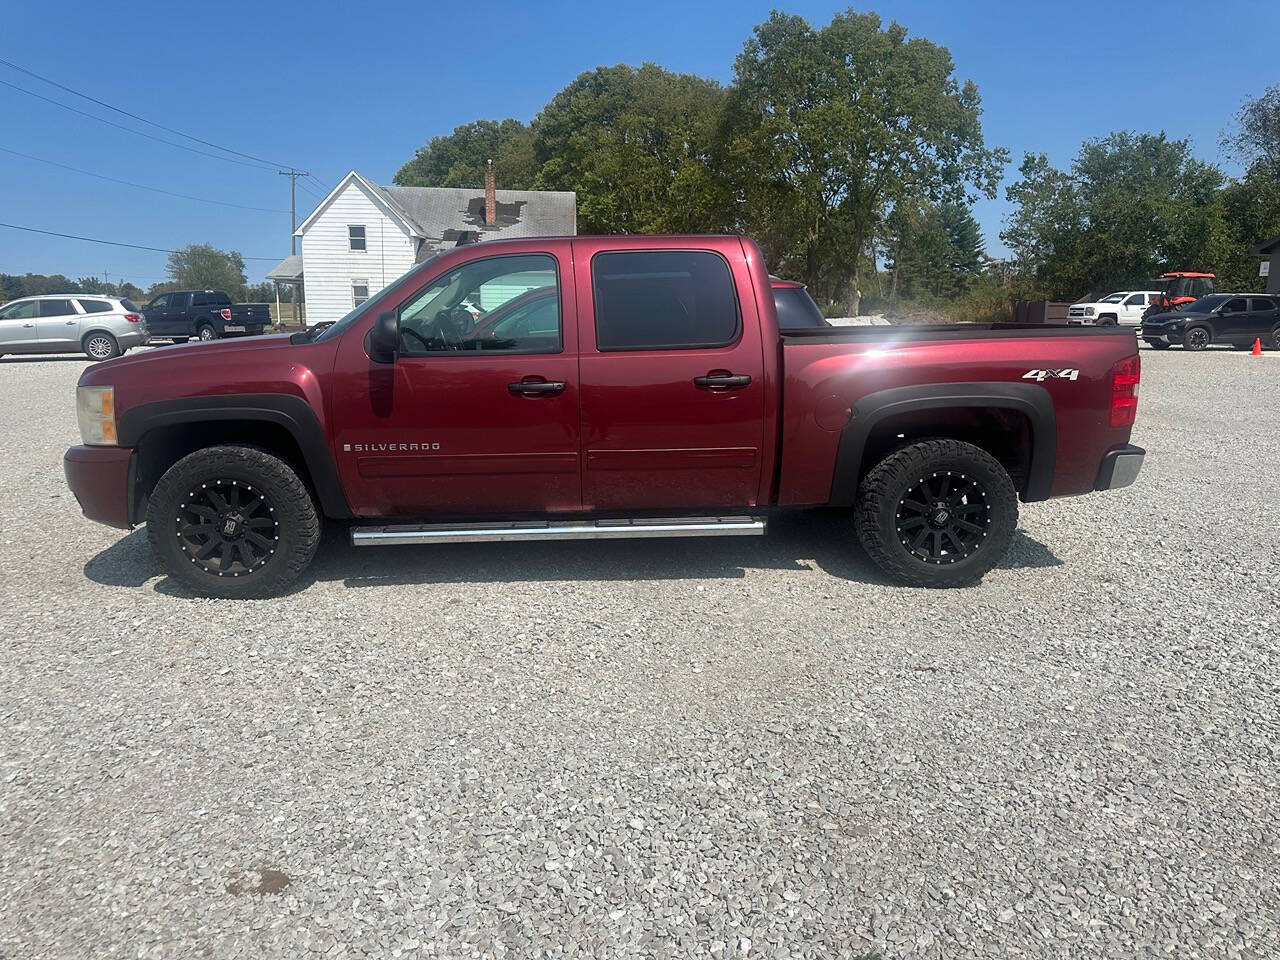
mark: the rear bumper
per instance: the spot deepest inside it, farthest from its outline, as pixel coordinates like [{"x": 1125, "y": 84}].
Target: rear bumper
[
  {"x": 132, "y": 338},
  {"x": 1120, "y": 467},
  {"x": 248, "y": 331},
  {"x": 100, "y": 479}
]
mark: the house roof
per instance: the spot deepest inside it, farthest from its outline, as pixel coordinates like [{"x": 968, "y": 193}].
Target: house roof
[
  {"x": 444, "y": 213},
  {"x": 1267, "y": 246},
  {"x": 290, "y": 268}
]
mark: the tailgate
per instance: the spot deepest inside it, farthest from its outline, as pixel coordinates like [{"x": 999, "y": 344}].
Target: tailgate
[{"x": 255, "y": 314}]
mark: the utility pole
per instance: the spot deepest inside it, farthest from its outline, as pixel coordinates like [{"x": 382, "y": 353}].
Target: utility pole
[{"x": 293, "y": 176}]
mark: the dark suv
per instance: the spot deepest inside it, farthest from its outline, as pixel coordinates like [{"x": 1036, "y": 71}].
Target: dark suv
[{"x": 1235, "y": 318}]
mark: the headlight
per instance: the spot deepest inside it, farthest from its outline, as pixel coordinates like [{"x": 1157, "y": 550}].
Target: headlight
[
  {"x": 1088, "y": 311},
  {"x": 96, "y": 414}
]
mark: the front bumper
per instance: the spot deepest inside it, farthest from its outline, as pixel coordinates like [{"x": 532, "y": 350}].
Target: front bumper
[
  {"x": 1160, "y": 335},
  {"x": 1120, "y": 467},
  {"x": 101, "y": 479}
]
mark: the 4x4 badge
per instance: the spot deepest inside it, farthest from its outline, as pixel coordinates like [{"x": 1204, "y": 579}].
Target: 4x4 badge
[{"x": 1042, "y": 375}]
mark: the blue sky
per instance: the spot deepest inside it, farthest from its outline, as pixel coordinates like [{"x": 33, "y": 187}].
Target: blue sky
[{"x": 329, "y": 87}]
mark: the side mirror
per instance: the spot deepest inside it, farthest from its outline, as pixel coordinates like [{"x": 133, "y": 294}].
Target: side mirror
[{"x": 384, "y": 338}]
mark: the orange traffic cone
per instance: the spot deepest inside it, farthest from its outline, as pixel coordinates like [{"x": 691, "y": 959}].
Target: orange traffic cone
[{"x": 1257, "y": 347}]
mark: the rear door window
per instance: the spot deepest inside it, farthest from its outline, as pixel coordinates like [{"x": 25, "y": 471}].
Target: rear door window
[
  {"x": 56, "y": 308},
  {"x": 95, "y": 306},
  {"x": 664, "y": 300},
  {"x": 1261, "y": 304}
]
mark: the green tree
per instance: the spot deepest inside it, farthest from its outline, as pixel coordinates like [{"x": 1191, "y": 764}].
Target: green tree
[
  {"x": 1254, "y": 137},
  {"x": 827, "y": 127},
  {"x": 458, "y": 159},
  {"x": 636, "y": 146},
  {"x": 1131, "y": 207},
  {"x": 200, "y": 266},
  {"x": 933, "y": 252}
]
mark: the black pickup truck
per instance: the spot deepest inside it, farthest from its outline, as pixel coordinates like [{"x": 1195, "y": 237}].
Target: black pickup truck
[{"x": 205, "y": 314}]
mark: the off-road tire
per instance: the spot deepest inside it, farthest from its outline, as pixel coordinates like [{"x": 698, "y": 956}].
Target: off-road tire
[
  {"x": 98, "y": 346},
  {"x": 285, "y": 499},
  {"x": 1191, "y": 339},
  {"x": 881, "y": 496},
  {"x": 206, "y": 333}
]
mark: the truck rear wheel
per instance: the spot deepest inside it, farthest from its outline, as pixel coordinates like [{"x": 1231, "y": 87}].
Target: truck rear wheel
[
  {"x": 938, "y": 513},
  {"x": 233, "y": 522},
  {"x": 207, "y": 332}
]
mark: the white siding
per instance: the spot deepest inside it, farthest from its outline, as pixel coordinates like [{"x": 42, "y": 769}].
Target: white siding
[{"x": 328, "y": 263}]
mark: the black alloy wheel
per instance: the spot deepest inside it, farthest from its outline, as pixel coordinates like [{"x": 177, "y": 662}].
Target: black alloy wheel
[
  {"x": 1197, "y": 338},
  {"x": 936, "y": 513},
  {"x": 227, "y": 528},
  {"x": 234, "y": 522},
  {"x": 944, "y": 518}
]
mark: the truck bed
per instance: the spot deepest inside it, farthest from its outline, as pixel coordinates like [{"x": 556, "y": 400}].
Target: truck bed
[{"x": 950, "y": 331}]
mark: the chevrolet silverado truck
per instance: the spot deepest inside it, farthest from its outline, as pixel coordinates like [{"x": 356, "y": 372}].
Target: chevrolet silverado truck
[
  {"x": 657, "y": 399},
  {"x": 205, "y": 315}
]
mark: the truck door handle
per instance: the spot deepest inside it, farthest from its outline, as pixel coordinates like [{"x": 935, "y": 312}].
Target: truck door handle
[
  {"x": 722, "y": 380},
  {"x": 535, "y": 388}
]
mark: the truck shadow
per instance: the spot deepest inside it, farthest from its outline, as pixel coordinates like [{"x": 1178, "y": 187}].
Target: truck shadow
[{"x": 818, "y": 541}]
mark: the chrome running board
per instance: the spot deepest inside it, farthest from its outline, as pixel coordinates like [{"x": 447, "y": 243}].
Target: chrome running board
[{"x": 556, "y": 530}]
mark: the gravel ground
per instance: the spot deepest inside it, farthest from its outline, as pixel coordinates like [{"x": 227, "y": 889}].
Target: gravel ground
[{"x": 727, "y": 749}]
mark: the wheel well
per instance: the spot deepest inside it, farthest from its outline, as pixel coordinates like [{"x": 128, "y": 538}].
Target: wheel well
[
  {"x": 1003, "y": 433},
  {"x": 108, "y": 333},
  {"x": 159, "y": 449}
]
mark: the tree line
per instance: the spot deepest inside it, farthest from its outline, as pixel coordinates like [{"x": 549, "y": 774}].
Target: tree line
[{"x": 853, "y": 154}]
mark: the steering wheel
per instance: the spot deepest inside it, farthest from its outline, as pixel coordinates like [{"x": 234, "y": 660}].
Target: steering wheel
[{"x": 409, "y": 331}]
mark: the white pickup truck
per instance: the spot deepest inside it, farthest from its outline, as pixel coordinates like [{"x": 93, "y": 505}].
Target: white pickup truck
[{"x": 1124, "y": 308}]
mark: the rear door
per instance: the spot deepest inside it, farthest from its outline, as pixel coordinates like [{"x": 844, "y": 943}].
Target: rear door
[
  {"x": 1263, "y": 316},
  {"x": 672, "y": 376},
  {"x": 58, "y": 325},
  {"x": 458, "y": 424}
]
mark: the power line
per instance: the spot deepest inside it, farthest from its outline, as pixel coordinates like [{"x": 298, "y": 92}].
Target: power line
[
  {"x": 134, "y": 116},
  {"x": 112, "y": 243},
  {"x": 136, "y": 133},
  {"x": 140, "y": 186}
]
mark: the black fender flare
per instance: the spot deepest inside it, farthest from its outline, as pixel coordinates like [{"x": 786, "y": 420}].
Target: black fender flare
[
  {"x": 1029, "y": 399},
  {"x": 291, "y": 412}
]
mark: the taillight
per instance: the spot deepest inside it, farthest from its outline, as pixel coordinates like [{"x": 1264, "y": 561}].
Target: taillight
[
  {"x": 1125, "y": 377},
  {"x": 226, "y": 313},
  {"x": 133, "y": 318}
]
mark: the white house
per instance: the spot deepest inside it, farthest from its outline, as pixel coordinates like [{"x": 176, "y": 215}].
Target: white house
[{"x": 363, "y": 236}]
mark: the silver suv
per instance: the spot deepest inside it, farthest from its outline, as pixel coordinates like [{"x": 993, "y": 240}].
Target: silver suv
[{"x": 101, "y": 327}]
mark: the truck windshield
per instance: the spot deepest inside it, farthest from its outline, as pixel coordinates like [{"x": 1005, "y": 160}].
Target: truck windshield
[{"x": 373, "y": 305}]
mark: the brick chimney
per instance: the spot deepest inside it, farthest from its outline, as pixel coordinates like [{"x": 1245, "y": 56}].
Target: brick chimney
[{"x": 490, "y": 197}]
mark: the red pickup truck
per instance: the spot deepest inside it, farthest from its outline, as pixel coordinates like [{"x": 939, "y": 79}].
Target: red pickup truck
[{"x": 641, "y": 388}]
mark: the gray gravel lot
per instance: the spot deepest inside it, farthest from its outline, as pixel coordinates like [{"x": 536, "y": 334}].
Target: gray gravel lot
[{"x": 717, "y": 748}]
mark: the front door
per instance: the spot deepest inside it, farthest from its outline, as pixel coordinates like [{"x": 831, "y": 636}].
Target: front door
[
  {"x": 157, "y": 314},
  {"x": 1232, "y": 321},
  {"x": 1132, "y": 308},
  {"x": 58, "y": 326},
  {"x": 672, "y": 377},
  {"x": 471, "y": 418},
  {"x": 18, "y": 328}
]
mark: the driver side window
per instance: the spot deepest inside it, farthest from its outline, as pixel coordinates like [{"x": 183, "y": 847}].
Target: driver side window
[{"x": 504, "y": 304}]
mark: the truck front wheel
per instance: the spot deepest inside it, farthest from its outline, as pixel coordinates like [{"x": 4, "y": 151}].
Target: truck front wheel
[
  {"x": 234, "y": 522},
  {"x": 938, "y": 513}
]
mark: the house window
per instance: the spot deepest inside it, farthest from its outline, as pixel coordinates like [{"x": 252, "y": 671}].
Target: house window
[
  {"x": 355, "y": 237},
  {"x": 359, "y": 292}
]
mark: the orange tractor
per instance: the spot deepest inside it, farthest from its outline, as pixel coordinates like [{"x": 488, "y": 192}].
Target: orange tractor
[{"x": 1179, "y": 288}]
